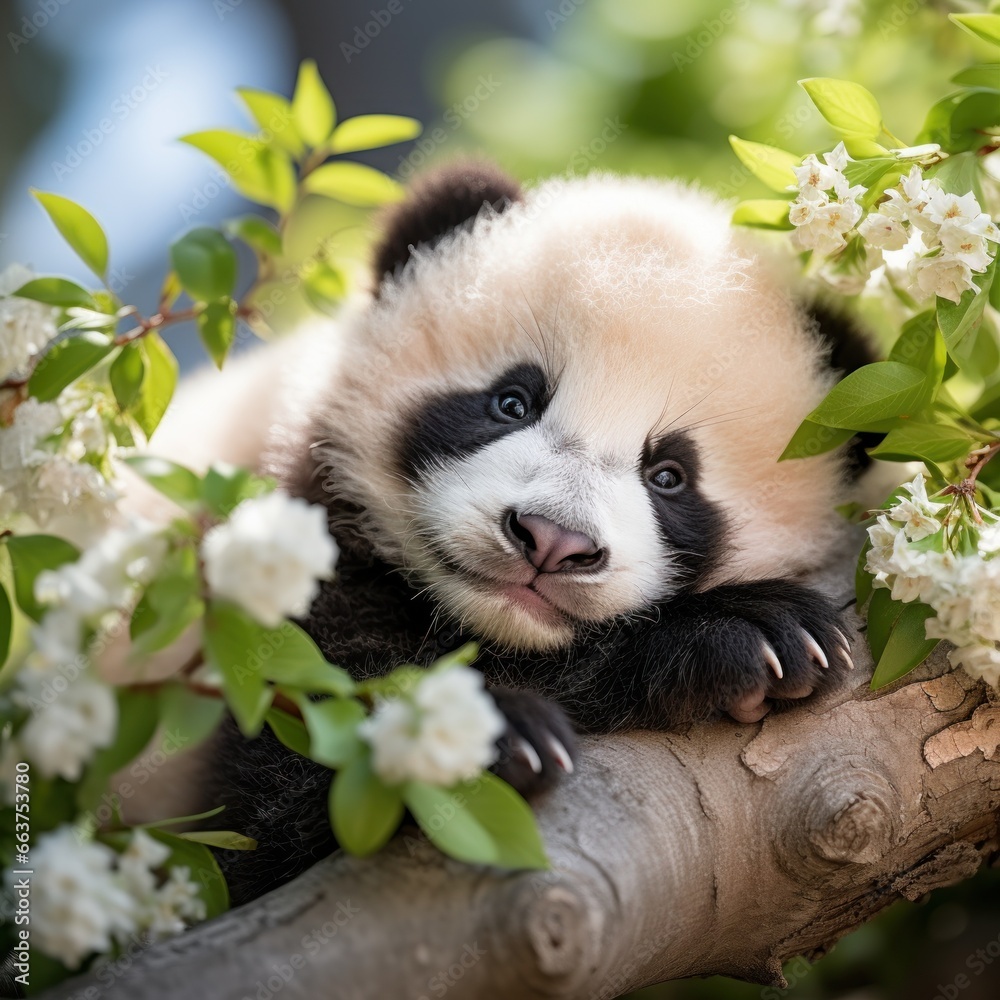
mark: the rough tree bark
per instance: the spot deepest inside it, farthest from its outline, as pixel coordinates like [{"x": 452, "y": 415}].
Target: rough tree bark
[{"x": 728, "y": 849}]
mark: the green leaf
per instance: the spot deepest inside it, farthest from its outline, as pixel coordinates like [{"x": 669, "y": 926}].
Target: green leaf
[
  {"x": 295, "y": 661},
  {"x": 333, "y": 729},
  {"x": 373, "y": 131},
  {"x": 325, "y": 287},
  {"x": 203, "y": 868},
  {"x": 158, "y": 384},
  {"x": 187, "y": 718},
  {"x": 768, "y": 164},
  {"x": 984, "y": 75},
  {"x": 312, "y": 105},
  {"x": 6, "y": 625},
  {"x": 364, "y": 813},
  {"x": 956, "y": 121},
  {"x": 233, "y": 645},
  {"x": 257, "y": 233},
  {"x": 920, "y": 345},
  {"x": 814, "y": 439},
  {"x": 258, "y": 171},
  {"x": 862, "y": 149},
  {"x": 984, "y": 26},
  {"x": 870, "y": 396},
  {"x": 138, "y": 715},
  {"x": 78, "y": 228},
  {"x": 59, "y": 292},
  {"x": 483, "y": 821},
  {"x": 762, "y": 213},
  {"x": 126, "y": 374},
  {"x": 958, "y": 320},
  {"x": 290, "y": 731},
  {"x": 847, "y": 106},
  {"x": 877, "y": 175},
  {"x": 30, "y": 555},
  {"x": 205, "y": 264},
  {"x": 226, "y": 486},
  {"x": 66, "y": 361},
  {"x": 354, "y": 184},
  {"x": 217, "y": 329},
  {"x": 169, "y": 604},
  {"x": 907, "y": 646},
  {"x": 225, "y": 839},
  {"x": 175, "y": 820},
  {"x": 916, "y": 441},
  {"x": 273, "y": 113},
  {"x": 172, "y": 480},
  {"x": 881, "y": 617}
]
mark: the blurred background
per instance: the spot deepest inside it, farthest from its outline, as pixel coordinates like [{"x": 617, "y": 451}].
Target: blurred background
[{"x": 94, "y": 93}]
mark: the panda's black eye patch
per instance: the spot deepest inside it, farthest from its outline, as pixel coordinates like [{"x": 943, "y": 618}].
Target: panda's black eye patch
[
  {"x": 454, "y": 424},
  {"x": 693, "y": 528}
]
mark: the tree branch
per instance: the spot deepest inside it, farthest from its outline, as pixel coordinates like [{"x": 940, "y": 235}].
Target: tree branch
[{"x": 728, "y": 849}]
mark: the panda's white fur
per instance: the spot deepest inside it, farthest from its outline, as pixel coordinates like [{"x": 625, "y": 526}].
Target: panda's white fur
[{"x": 652, "y": 313}]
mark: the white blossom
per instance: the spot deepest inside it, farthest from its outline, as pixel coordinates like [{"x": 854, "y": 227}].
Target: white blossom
[
  {"x": 884, "y": 230},
  {"x": 963, "y": 587},
  {"x": 918, "y": 513},
  {"x": 939, "y": 239},
  {"x": 942, "y": 275},
  {"x": 70, "y": 721},
  {"x": 105, "y": 576},
  {"x": 269, "y": 555},
  {"x": 25, "y": 326},
  {"x": 445, "y": 733},
  {"x": 78, "y": 906},
  {"x": 826, "y": 207}
]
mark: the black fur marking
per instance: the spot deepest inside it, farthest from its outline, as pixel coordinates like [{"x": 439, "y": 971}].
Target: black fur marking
[
  {"x": 438, "y": 203},
  {"x": 692, "y": 526},
  {"x": 460, "y": 423},
  {"x": 690, "y": 658}
]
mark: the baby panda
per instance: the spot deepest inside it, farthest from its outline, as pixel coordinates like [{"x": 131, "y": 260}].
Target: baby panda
[{"x": 553, "y": 428}]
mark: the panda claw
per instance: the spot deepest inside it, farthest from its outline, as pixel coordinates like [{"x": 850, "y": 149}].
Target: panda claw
[
  {"x": 843, "y": 639},
  {"x": 561, "y": 754},
  {"x": 847, "y": 658},
  {"x": 520, "y": 747},
  {"x": 771, "y": 658},
  {"x": 815, "y": 650}
]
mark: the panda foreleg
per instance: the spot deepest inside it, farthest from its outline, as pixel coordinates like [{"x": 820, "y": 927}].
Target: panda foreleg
[{"x": 740, "y": 648}]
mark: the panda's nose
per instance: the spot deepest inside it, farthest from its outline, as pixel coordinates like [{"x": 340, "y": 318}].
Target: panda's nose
[{"x": 550, "y": 547}]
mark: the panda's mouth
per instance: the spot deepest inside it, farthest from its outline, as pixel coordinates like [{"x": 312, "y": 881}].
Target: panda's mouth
[
  {"x": 523, "y": 594},
  {"x": 526, "y": 596}
]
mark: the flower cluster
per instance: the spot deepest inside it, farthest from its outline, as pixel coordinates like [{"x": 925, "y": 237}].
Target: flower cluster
[
  {"x": 826, "y": 208},
  {"x": 445, "y": 732},
  {"x": 86, "y": 898},
  {"x": 72, "y": 713},
  {"x": 913, "y": 554},
  {"x": 947, "y": 235},
  {"x": 931, "y": 241},
  {"x": 25, "y": 326},
  {"x": 269, "y": 555},
  {"x": 51, "y": 456}
]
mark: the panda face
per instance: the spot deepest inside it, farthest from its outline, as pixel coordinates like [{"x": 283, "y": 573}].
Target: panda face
[
  {"x": 527, "y": 527},
  {"x": 574, "y": 409}
]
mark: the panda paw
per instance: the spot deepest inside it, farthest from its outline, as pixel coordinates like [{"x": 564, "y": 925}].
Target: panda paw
[
  {"x": 788, "y": 653},
  {"x": 538, "y": 747},
  {"x": 803, "y": 667},
  {"x": 742, "y": 649}
]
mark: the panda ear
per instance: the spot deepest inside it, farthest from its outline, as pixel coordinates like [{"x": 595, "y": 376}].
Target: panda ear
[{"x": 437, "y": 203}]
